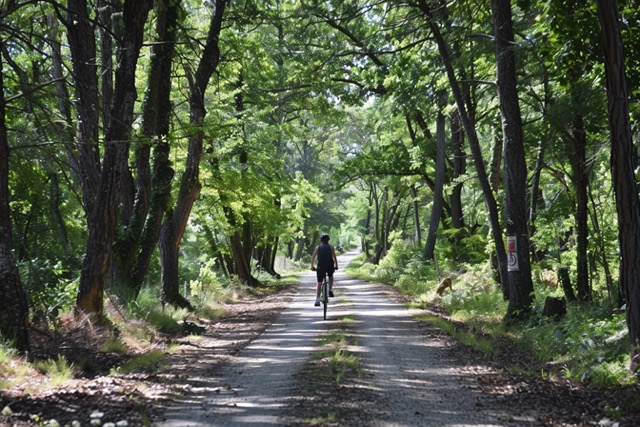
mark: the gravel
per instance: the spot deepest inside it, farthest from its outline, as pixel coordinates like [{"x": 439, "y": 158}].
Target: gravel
[{"x": 407, "y": 375}]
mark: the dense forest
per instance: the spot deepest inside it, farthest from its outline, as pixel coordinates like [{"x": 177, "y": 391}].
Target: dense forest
[{"x": 157, "y": 146}]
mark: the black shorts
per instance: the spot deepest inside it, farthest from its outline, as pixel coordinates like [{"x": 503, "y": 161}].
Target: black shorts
[{"x": 320, "y": 271}]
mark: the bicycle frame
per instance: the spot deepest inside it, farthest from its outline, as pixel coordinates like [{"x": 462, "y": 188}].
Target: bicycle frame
[{"x": 324, "y": 296}]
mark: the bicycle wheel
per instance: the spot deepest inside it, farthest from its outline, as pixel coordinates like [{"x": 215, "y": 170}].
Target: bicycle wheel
[{"x": 325, "y": 295}]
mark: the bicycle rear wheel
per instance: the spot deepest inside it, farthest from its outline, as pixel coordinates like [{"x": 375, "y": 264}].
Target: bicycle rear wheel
[{"x": 325, "y": 295}]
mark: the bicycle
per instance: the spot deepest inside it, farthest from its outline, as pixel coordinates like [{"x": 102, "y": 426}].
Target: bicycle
[{"x": 324, "y": 294}]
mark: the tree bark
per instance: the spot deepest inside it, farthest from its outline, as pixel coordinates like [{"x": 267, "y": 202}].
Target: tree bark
[
  {"x": 85, "y": 75},
  {"x": 459, "y": 169},
  {"x": 436, "y": 209},
  {"x": 153, "y": 186},
  {"x": 565, "y": 282},
  {"x": 14, "y": 316},
  {"x": 416, "y": 216},
  {"x": 515, "y": 168},
  {"x": 622, "y": 165},
  {"x": 614, "y": 294},
  {"x": 174, "y": 226},
  {"x": 103, "y": 217},
  {"x": 580, "y": 183}
]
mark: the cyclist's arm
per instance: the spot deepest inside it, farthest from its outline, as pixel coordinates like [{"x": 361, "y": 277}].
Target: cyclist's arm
[
  {"x": 313, "y": 258},
  {"x": 335, "y": 258}
]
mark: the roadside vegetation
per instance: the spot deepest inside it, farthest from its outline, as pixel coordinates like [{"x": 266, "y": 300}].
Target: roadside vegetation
[
  {"x": 132, "y": 338},
  {"x": 589, "y": 344}
]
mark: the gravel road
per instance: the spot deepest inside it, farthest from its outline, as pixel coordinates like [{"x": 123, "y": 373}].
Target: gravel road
[{"x": 411, "y": 376}]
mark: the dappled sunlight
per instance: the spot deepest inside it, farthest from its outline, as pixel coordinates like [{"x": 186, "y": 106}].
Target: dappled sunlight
[{"x": 407, "y": 369}]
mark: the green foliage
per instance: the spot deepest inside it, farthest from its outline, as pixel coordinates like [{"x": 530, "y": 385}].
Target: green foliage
[
  {"x": 459, "y": 244},
  {"x": 114, "y": 345},
  {"x": 358, "y": 267},
  {"x": 474, "y": 295},
  {"x": 147, "y": 307},
  {"x": 144, "y": 362},
  {"x": 590, "y": 342},
  {"x": 49, "y": 287},
  {"x": 401, "y": 254},
  {"x": 58, "y": 370}
]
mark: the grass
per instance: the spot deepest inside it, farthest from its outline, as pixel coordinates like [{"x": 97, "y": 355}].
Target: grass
[
  {"x": 590, "y": 344},
  {"x": 328, "y": 419},
  {"x": 466, "y": 336},
  {"x": 336, "y": 362},
  {"x": 14, "y": 369},
  {"x": 114, "y": 345},
  {"x": 59, "y": 371},
  {"x": 149, "y": 360}
]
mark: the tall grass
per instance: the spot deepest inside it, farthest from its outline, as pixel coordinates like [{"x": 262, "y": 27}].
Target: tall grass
[
  {"x": 13, "y": 369},
  {"x": 58, "y": 370}
]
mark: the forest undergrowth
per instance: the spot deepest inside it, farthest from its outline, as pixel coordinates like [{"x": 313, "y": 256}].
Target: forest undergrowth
[{"x": 589, "y": 344}]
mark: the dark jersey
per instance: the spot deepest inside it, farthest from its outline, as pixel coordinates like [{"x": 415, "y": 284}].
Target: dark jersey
[
  {"x": 325, "y": 261},
  {"x": 325, "y": 257}
]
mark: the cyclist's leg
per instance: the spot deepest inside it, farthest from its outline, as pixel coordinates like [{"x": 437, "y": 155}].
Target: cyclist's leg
[
  {"x": 320, "y": 278},
  {"x": 331, "y": 283}
]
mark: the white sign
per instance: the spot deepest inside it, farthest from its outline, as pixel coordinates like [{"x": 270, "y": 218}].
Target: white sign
[{"x": 512, "y": 254}]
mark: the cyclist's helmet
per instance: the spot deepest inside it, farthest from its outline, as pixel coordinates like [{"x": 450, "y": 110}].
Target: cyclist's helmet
[{"x": 324, "y": 238}]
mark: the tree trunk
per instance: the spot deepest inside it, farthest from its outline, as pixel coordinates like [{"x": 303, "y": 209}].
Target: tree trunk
[
  {"x": 14, "y": 316},
  {"x": 430, "y": 183},
  {"x": 153, "y": 187},
  {"x": 515, "y": 168},
  {"x": 265, "y": 254},
  {"x": 436, "y": 209},
  {"x": 85, "y": 74},
  {"x": 535, "y": 188},
  {"x": 170, "y": 271},
  {"x": 614, "y": 295},
  {"x": 416, "y": 216},
  {"x": 103, "y": 217},
  {"x": 580, "y": 182},
  {"x": 459, "y": 169},
  {"x": 174, "y": 227},
  {"x": 104, "y": 14},
  {"x": 474, "y": 144},
  {"x": 536, "y": 196},
  {"x": 565, "y": 282},
  {"x": 366, "y": 245},
  {"x": 622, "y": 165},
  {"x": 495, "y": 164}
]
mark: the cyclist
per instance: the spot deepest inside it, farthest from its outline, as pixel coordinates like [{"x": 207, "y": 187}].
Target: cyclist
[{"x": 327, "y": 262}]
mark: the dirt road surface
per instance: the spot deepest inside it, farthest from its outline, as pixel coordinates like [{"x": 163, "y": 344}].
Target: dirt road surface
[{"x": 409, "y": 376}]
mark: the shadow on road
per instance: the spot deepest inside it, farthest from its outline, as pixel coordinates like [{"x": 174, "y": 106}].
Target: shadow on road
[{"x": 410, "y": 369}]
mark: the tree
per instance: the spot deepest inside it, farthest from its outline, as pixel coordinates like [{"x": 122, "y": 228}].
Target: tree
[
  {"x": 515, "y": 169},
  {"x": 175, "y": 223},
  {"x": 436, "y": 210},
  {"x": 622, "y": 165},
  {"x": 152, "y": 163},
  {"x": 103, "y": 210},
  {"x": 474, "y": 143},
  {"x": 14, "y": 316}
]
